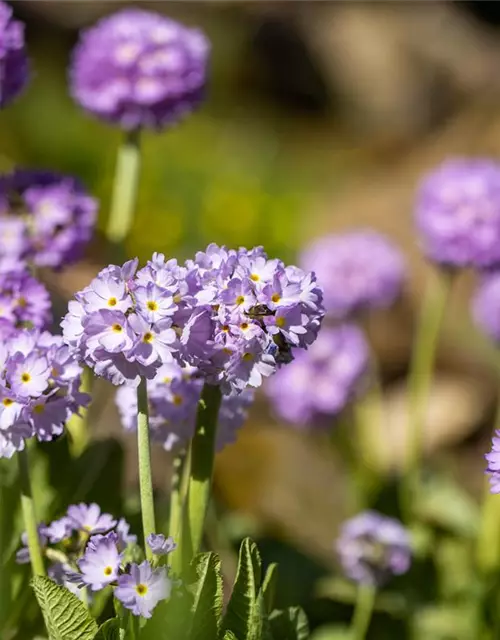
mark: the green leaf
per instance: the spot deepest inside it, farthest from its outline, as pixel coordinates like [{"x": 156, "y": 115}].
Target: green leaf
[
  {"x": 241, "y": 607},
  {"x": 269, "y": 586},
  {"x": 260, "y": 628},
  {"x": 229, "y": 635},
  {"x": 172, "y": 619},
  {"x": 332, "y": 632},
  {"x": 66, "y": 617},
  {"x": 207, "y": 605},
  {"x": 290, "y": 623},
  {"x": 110, "y": 630}
]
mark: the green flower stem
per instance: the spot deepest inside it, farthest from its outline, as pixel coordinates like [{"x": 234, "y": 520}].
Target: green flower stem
[
  {"x": 145, "y": 477},
  {"x": 176, "y": 498},
  {"x": 488, "y": 539},
  {"x": 29, "y": 515},
  {"x": 202, "y": 453},
  {"x": 420, "y": 380},
  {"x": 125, "y": 185},
  {"x": 363, "y": 611},
  {"x": 77, "y": 425}
]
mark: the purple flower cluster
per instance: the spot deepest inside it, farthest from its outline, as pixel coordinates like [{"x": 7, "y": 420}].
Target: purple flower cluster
[
  {"x": 39, "y": 388},
  {"x": 493, "y": 460},
  {"x": 24, "y": 301},
  {"x": 320, "y": 382},
  {"x": 45, "y": 218},
  {"x": 458, "y": 213},
  {"x": 234, "y": 315},
  {"x": 486, "y": 306},
  {"x": 358, "y": 270},
  {"x": 13, "y": 58},
  {"x": 373, "y": 547},
  {"x": 173, "y": 396},
  {"x": 139, "y": 69}
]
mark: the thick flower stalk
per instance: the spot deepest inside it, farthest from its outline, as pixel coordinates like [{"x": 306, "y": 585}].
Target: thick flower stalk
[
  {"x": 323, "y": 380},
  {"x": 358, "y": 270},
  {"x": 24, "y": 301},
  {"x": 174, "y": 394},
  {"x": 46, "y": 218},
  {"x": 138, "y": 69},
  {"x": 13, "y": 57}
]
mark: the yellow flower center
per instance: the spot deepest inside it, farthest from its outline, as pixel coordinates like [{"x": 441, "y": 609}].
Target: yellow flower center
[
  {"x": 280, "y": 322},
  {"x": 54, "y": 372},
  {"x": 248, "y": 356},
  {"x": 152, "y": 305},
  {"x": 7, "y": 402},
  {"x": 25, "y": 377},
  {"x": 167, "y": 380},
  {"x": 177, "y": 298},
  {"x": 108, "y": 571},
  {"x": 117, "y": 328},
  {"x": 244, "y": 326},
  {"x": 225, "y": 328},
  {"x": 240, "y": 299},
  {"x": 177, "y": 399},
  {"x": 255, "y": 277},
  {"x": 147, "y": 337},
  {"x": 141, "y": 589},
  {"x": 21, "y": 302},
  {"x": 276, "y": 297},
  {"x": 112, "y": 302},
  {"x": 39, "y": 408}
]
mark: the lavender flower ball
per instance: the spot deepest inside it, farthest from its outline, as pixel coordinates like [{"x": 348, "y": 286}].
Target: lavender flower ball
[
  {"x": 173, "y": 397},
  {"x": 24, "y": 301},
  {"x": 493, "y": 460},
  {"x": 45, "y": 218},
  {"x": 358, "y": 270},
  {"x": 139, "y": 69},
  {"x": 373, "y": 547},
  {"x": 321, "y": 381},
  {"x": 13, "y": 58},
  {"x": 486, "y": 306},
  {"x": 39, "y": 388},
  {"x": 457, "y": 213}
]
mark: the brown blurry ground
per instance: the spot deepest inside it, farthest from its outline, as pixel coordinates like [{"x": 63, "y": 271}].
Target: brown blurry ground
[{"x": 389, "y": 90}]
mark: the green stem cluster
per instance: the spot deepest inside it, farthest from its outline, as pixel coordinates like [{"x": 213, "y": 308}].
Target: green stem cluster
[{"x": 29, "y": 515}]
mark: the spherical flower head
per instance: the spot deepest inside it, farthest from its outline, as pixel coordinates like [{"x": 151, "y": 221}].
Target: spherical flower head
[
  {"x": 321, "y": 381},
  {"x": 13, "y": 57},
  {"x": 173, "y": 396},
  {"x": 234, "y": 315},
  {"x": 373, "y": 547},
  {"x": 24, "y": 301},
  {"x": 39, "y": 388},
  {"x": 486, "y": 306},
  {"x": 139, "y": 69},
  {"x": 359, "y": 271},
  {"x": 143, "y": 588},
  {"x": 457, "y": 213},
  {"x": 46, "y": 218},
  {"x": 101, "y": 561},
  {"x": 493, "y": 460}
]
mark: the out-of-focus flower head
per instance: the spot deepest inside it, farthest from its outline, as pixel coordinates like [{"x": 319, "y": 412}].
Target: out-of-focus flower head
[
  {"x": 457, "y": 213},
  {"x": 321, "y": 381},
  {"x": 39, "y": 388},
  {"x": 372, "y": 548},
  {"x": 173, "y": 396},
  {"x": 24, "y": 301},
  {"x": 45, "y": 218},
  {"x": 160, "y": 545},
  {"x": 234, "y": 315},
  {"x": 139, "y": 69},
  {"x": 13, "y": 57},
  {"x": 493, "y": 460},
  {"x": 86, "y": 538},
  {"x": 486, "y": 306},
  {"x": 358, "y": 271}
]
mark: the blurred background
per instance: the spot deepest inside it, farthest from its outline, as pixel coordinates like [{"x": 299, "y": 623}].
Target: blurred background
[{"x": 321, "y": 116}]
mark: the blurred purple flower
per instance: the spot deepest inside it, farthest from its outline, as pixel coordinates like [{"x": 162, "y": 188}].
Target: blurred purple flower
[
  {"x": 139, "y": 69},
  {"x": 373, "y": 547},
  {"x": 24, "y": 301},
  {"x": 358, "y": 270},
  {"x": 457, "y": 213},
  {"x": 13, "y": 58},
  {"x": 321, "y": 381},
  {"x": 160, "y": 545},
  {"x": 143, "y": 588},
  {"x": 493, "y": 460},
  {"x": 173, "y": 396},
  {"x": 45, "y": 218},
  {"x": 486, "y": 306}
]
